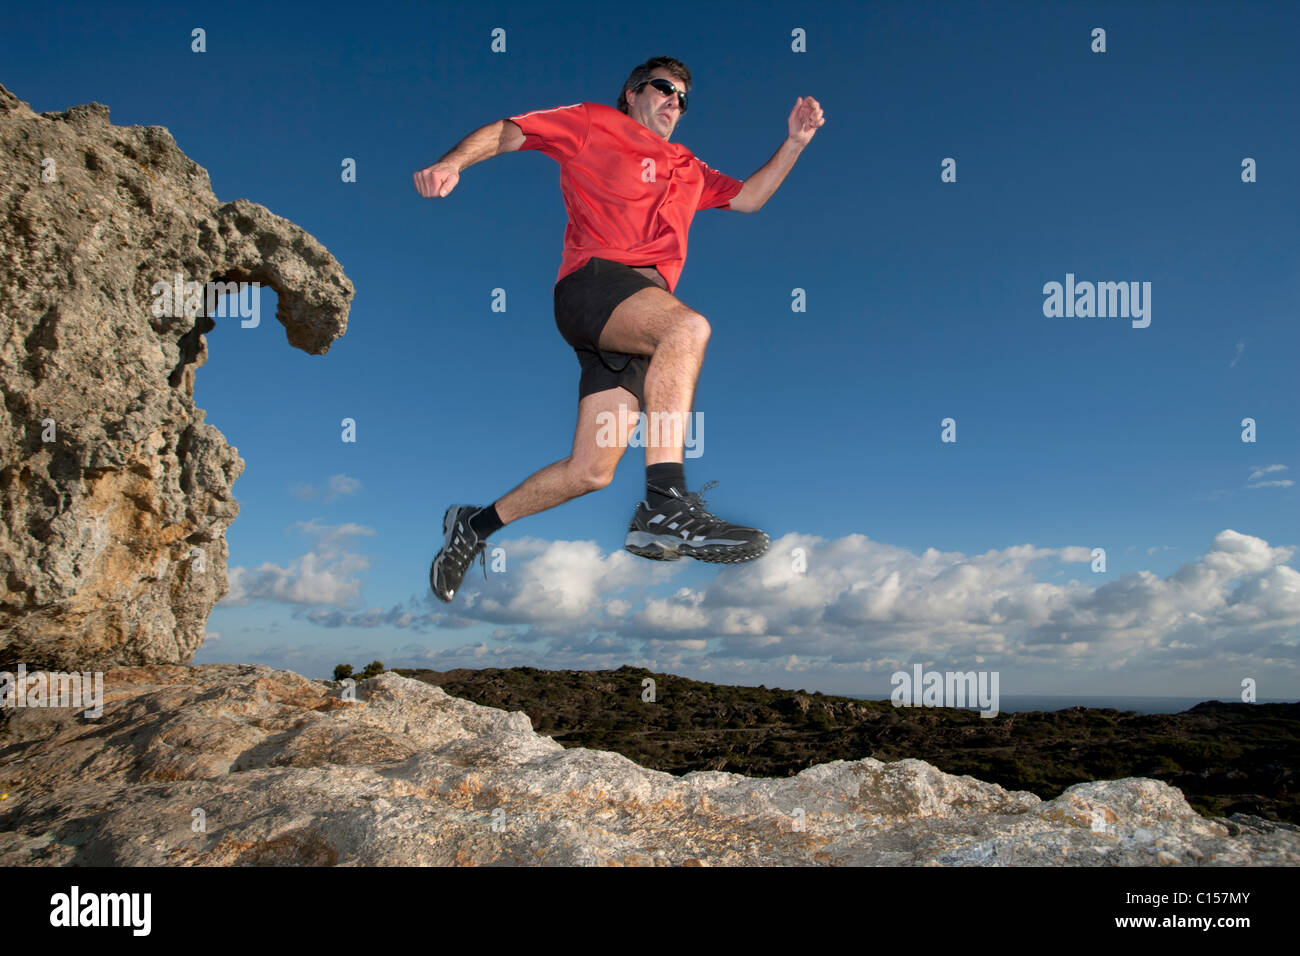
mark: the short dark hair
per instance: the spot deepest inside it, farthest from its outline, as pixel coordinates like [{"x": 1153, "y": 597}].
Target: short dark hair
[{"x": 643, "y": 73}]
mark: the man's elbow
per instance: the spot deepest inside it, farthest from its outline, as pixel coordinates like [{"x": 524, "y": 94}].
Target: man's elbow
[
  {"x": 510, "y": 138},
  {"x": 742, "y": 203}
]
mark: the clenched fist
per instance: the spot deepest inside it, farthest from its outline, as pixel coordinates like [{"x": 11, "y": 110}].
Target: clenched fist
[
  {"x": 805, "y": 119},
  {"x": 437, "y": 180}
]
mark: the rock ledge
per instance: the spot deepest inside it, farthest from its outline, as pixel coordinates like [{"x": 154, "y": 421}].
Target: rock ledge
[{"x": 279, "y": 769}]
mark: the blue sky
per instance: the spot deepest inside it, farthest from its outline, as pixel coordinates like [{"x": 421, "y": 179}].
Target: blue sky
[{"x": 924, "y": 302}]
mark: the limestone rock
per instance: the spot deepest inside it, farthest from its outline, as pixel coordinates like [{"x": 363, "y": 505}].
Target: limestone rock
[
  {"x": 227, "y": 765},
  {"x": 109, "y": 477}
]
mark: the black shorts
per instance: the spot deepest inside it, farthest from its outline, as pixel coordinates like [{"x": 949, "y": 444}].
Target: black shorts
[{"x": 584, "y": 301}]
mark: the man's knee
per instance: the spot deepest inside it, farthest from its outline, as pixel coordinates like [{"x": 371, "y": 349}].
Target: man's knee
[
  {"x": 691, "y": 327},
  {"x": 590, "y": 477},
  {"x": 698, "y": 326}
]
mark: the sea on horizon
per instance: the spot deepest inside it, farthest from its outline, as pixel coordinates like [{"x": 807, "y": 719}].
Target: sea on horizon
[{"x": 1008, "y": 704}]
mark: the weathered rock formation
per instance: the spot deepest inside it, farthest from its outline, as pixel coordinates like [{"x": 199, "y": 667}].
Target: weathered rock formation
[
  {"x": 245, "y": 765},
  {"x": 114, "y": 494}
]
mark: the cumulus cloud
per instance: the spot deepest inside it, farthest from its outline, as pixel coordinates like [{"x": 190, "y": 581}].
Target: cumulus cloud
[
  {"x": 864, "y": 606},
  {"x": 328, "y": 574},
  {"x": 556, "y": 585},
  {"x": 848, "y": 606}
]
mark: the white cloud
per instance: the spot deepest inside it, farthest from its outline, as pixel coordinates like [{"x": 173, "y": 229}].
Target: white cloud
[
  {"x": 862, "y": 604},
  {"x": 326, "y": 575},
  {"x": 559, "y": 583},
  {"x": 1266, "y": 470},
  {"x": 336, "y": 486},
  {"x": 860, "y": 608}
]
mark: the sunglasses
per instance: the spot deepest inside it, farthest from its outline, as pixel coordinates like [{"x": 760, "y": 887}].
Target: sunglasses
[{"x": 667, "y": 89}]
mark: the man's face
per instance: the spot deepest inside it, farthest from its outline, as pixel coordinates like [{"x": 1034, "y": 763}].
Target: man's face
[{"x": 652, "y": 109}]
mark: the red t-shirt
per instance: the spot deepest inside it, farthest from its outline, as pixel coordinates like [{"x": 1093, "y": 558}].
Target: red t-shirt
[{"x": 615, "y": 212}]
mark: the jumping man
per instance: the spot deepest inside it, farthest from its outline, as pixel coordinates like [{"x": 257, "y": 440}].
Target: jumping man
[{"x": 631, "y": 196}]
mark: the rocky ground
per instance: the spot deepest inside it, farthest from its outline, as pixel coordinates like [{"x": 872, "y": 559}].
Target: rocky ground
[
  {"x": 232, "y": 765},
  {"x": 1225, "y": 758}
]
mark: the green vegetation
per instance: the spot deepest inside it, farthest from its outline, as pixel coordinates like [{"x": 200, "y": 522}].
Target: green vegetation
[{"x": 373, "y": 669}]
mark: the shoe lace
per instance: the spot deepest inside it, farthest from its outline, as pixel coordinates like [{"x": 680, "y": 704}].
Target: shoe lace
[{"x": 694, "y": 500}]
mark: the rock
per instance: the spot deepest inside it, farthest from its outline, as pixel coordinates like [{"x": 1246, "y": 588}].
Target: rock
[
  {"x": 1240, "y": 823},
  {"x": 231, "y": 765},
  {"x": 114, "y": 493}
]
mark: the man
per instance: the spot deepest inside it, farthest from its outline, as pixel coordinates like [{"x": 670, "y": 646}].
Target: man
[{"x": 630, "y": 195}]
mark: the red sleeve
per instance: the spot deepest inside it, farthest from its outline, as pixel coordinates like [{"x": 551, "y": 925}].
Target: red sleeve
[
  {"x": 559, "y": 133},
  {"x": 719, "y": 188}
]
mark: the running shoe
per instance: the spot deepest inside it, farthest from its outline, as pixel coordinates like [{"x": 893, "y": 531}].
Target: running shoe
[
  {"x": 682, "y": 527},
  {"x": 460, "y": 547}
]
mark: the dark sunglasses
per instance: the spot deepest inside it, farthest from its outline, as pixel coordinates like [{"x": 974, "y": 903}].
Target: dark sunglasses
[{"x": 667, "y": 89}]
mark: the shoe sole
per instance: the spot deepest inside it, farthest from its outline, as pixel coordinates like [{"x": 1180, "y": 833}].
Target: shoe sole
[
  {"x": 662, "y": 547},
  {"x": 447, "y": 523}
]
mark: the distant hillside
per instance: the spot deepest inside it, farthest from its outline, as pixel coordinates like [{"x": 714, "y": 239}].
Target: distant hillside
[{"x": 1226, "y": 758}]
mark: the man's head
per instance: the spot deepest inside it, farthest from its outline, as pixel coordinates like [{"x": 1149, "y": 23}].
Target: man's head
[{"x": 657, "y": 111}]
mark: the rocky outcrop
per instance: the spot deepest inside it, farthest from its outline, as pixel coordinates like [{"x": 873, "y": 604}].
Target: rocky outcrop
[
  {"x": 232, "y": 765},
  {"x": 1224, "y": 757},
  {"x": 114, "y": 493}
]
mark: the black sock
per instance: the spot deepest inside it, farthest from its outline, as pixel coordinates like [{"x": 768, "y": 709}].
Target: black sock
[
  {"x": 485, "y": 522},
  {"x": 659, "y": 478}
]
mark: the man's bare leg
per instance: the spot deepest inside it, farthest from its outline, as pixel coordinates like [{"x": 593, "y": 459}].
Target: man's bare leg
[
  {"x": 653, "y": 322},
  {"x": 650, "y": 322},
  {"x": 675, "y": 337},
  {"x": 588, "y": 469}
]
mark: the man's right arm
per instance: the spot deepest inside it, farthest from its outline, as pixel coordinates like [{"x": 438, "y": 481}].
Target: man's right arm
[{"x": 503, "y": 136}]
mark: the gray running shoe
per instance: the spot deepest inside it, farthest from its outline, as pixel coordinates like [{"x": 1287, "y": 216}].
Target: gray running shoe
[
  {"x": 460, "y": 547},
  {"x": 682, "y": 527}
]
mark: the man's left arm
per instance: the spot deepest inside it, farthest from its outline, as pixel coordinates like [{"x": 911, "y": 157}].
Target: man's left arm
[{"x": 805, "y": 119}]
